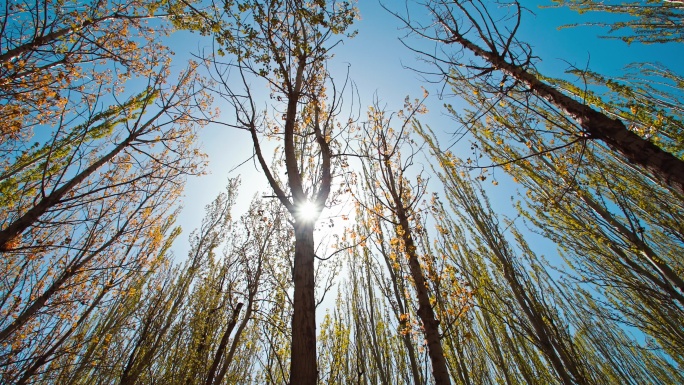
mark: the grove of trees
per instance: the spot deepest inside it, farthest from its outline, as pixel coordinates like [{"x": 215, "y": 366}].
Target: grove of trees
[{"x": 425, "y": 283}]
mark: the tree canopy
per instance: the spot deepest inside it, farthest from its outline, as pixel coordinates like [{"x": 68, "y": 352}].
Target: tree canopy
[{"x": 377, "y": 249}]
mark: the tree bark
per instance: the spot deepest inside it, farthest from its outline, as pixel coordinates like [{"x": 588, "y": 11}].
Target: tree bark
[
  {"x": 666, "y": 168},
  {"x": 303, "y": 369},
  {"x": 425, "y": 311},
  {"x": 222, "y": 346}
]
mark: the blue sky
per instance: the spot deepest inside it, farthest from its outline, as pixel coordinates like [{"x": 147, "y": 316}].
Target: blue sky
[{"x": 378, "y": 62}]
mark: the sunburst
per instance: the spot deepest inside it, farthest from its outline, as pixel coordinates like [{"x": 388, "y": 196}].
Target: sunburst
[{"x": 308, "y": 211}]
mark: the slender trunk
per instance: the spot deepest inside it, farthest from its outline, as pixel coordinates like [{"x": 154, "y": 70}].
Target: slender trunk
[
  {"x": 672, "y": 283},
  {"x": 236, "y": 341},
  {"x": 192, "y": 373},
  {"x": 462, "y": 368},
  {"x": 222, "y": 345},
  {"x": 399, "y": 299},
  {"x": 12, "y": 232},
  {"x": 499, "y": 359},
  {"x": 401, "y": 308},
  {"x": 303, "y": 369},
  {"x": 564, "y": 367},
  {"x": 56, "y": 286},
  {"x": 425, "y": 310},
  {"x": 375, "y": 348},
  {"x": 665, "y": 167},
  {"x": 138, "y": 362}
]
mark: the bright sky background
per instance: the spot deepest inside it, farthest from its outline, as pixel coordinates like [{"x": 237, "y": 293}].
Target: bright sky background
[{"x": 378, "y": 62}]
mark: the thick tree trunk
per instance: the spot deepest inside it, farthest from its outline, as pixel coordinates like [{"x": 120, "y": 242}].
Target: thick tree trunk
[
  {"x": 666, "y": 168},
  {"x": 303, "y": 369}
]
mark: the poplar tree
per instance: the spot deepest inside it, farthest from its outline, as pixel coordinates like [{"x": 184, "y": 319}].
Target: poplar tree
[
  {"x": 83, "y": 210},
  {"x": 527, "y": 317},
  {"x": 395, "y": 199},
  {"x": 53, "y": 54},
  {"x": 284, "y": 45},
  {"x": 487, "y": 50},
  {"x": 614, "y": 224}
]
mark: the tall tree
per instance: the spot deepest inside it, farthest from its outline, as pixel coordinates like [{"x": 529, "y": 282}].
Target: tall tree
[
  {"x": 543, "y": 325},
  {"x": 601, "y": 211},
  {"x": 503, "y": 63},
  {"x": 285, "y": 44},
  {"x": 48, "y": 292},
  {"x": 74, "y": 353},
  {"x": 521, "y": 309},
  {"x": 43, "y": 183},
  {"x": 395, "y": 199},
  {"x": 86, "y": 205},
  {"x": 393, "y": 297},
  {"x": 193, "y": 323},
  {"x": 597, "y": 205}
]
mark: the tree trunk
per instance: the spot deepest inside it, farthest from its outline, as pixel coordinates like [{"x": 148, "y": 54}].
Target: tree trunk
[
  {"x": 406, "y": 339},
  {"x": 666, "y": 168},
  {"x": 564, "y": 367},
  {"x": 222, "y": 346},
  {"x": 303, "y": 362},
  {"x": 425, "y": 311},
  {"x": 19, "y": 225}
]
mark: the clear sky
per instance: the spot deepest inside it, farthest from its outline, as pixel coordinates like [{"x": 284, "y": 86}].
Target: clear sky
[{"x": 378, "y": 63}]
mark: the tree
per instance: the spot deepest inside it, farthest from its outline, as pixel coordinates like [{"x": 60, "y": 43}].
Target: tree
[
  {"x": 543, "y": 324},
  {"x": 394, "y": 295},
  {"x": 128, "y": 337},
  {"x": 600, "y": 210},
  {"x": 52, "y": 56},
  {"x": 600, "y": 206},
  {"x": 163, "y": 309},
  {"x": 53, "y": 175},
  {"x": 285, "y": 44},
  {"x": 394, "y": 200},
  {"x": 506, "y": 64},
  {"x": 84, "y": 207},
  {"x": 73, "y": 351},
  {"x": 521, "y": 310},
  {"x": 48, "y": 293},
  {"x": 192, "y": 323}
]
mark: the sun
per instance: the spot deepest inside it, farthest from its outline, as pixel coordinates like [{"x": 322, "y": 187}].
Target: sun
[{"x": 308, "y": 211}]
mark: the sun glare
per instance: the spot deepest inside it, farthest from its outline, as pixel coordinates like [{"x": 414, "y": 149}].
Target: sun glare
[{"x": 307, "y": 211}]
